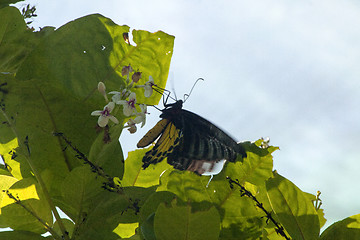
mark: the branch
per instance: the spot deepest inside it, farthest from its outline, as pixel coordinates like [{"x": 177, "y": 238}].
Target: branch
[
  {"x": 278, "y": 227},
  {"x": 110, "y": 185},
  {"x": 47, "y": 227}
]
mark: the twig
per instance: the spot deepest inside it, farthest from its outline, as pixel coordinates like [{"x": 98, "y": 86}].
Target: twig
[
  {"x": 18, "y": 201},
  {"x": 80, "y": 155},
  {"x": 110, "y": 185},
  {"x": 278, "y": 227}
]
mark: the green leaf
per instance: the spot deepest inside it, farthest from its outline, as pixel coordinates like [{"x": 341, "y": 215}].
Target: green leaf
[
  {"x": 180, "y": 222},
  {"x": 255, "y": 168},
  {"x": 79, "y": 190},
  {"x": 147, "y": 228},
  {"x": 186, "y": 185},
  {"x": 108, "y": 156},
  {"x": 20, "y": 235},
  {"x": 135, "y": 175},
  {"x": 30, "y": 196},
  {"x": 239, "y": 216},
  {"x": 348, "y": 228},
  {"x": 69, "y": 226},
  {"x": 320, "y": 211},
  {"x": 5, "y": 184},
  {"x": 102, "y": 219},
  {"x": 147, "y": 212},
  {"x": 55, "y": 89},
  {"x": 4, "y": 171},
  {"x": 293, "y": 208},
  {"x": 17, "y": 41},
  {"x": 152, "y": 56},
  {"x": 16, "y": 164},
  {"x": 114, "y": 209},
  {"x": 126, "y": 230}
]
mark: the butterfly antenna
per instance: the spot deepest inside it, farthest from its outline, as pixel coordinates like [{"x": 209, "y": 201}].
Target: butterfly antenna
[
  {"x": 172, "y": 82},
  {"x": 166, "y": 93},
  {"x": 187, "y": 95}
]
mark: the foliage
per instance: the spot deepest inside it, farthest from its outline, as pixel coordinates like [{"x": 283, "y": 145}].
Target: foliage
[{"x": 56, "y": 157}]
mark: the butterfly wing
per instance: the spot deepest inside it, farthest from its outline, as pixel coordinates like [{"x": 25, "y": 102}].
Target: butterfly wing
[
  {"x": 169, "y": 139},
  {"x": 203, "y": 144},
  {"x": 189, "y": 142}
]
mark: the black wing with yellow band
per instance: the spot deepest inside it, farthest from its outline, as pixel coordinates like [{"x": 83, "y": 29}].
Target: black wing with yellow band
[
  {"x": 188, "y": 141},
  {"x": 169, "y": 139}
]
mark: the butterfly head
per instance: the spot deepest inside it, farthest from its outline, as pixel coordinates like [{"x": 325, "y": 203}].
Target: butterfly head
[{"x": 176, "y": 105}]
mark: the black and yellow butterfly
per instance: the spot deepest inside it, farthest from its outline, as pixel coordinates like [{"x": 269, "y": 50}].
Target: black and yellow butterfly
[{"x": 188, "y": 141}]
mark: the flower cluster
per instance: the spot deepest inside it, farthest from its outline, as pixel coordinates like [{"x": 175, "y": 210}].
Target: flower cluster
[{"x": 127, "y": 99}]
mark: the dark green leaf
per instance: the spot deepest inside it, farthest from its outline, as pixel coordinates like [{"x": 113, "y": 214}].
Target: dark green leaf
[
  {"x": 180, "y": 222},
  {"x": 79, "y": 190},
  {"x": 20, "y": 235},
  {"x": 69, "y": 226},
  {"x": 147, "y": 212},
  {"x": 108, "y": 155}
]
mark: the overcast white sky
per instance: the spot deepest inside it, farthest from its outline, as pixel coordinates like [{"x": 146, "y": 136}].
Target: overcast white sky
[{"x": 288, "y": 70}]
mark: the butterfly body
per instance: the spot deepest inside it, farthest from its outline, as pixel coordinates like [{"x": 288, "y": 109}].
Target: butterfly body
[{"x": 189, "y": 141}]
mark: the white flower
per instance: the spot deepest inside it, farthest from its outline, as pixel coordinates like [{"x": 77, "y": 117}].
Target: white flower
[
  {"x": 101, "y": 89},
  {"x": 118, "y": 96},
  {"x": 105, "y": 115},
  {"x": 131, "y": 126},
  {"x": 148, "y": 87},
  {"x": 129, "y": 105},
  {"x": 265, "y": 142},
  {"x": 141, "y": 116}
]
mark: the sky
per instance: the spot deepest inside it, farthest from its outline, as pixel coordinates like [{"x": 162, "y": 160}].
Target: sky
[{"x": 287, "y": 70}]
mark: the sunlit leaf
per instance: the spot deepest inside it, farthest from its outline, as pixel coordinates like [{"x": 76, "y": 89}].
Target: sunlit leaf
[
  {"x": 15, "y": 163},
  {"x": 16, "y": 40},
  {"x": 293, "y": 208},
  {"x": 5, "y": 184},
  {"x": 126, "y": 230},
  {"x": 30, "y": 197},
  {"x": 256, "y": 168},
  {"x": 135, "y": 175},
  {"x": 320, "y": 211}
]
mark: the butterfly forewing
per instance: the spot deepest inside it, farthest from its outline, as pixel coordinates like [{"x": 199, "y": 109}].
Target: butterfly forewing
[
  {"x": 169, "y": 139},
  {"x": 153, "y": 133}
]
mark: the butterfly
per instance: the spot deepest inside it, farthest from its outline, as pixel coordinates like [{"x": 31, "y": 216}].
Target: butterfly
[{"x": 189, "y": 142}]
